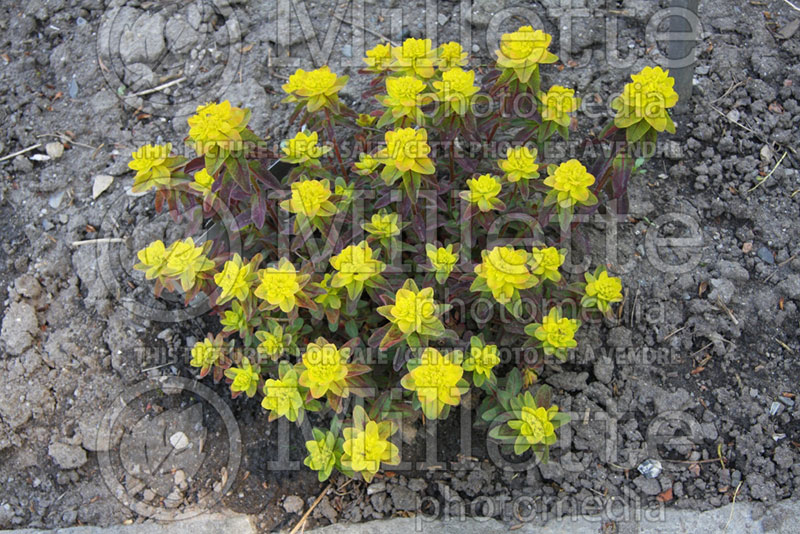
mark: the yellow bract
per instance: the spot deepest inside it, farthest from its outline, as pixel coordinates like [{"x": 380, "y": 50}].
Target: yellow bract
[
  {"x": 317, "y": 88},
  {"x": 367, "y": 446},
  {"x": 483, "y": 192},
  {"x": 205, "y": 353},
  {"x": 557, "y": 104},
  {"x": 570, "y": 183},
  {"x": 604, "y": 289},
  {"x": 217, "y": 126},
  {"x": 504, "y": 272},
  {"x": 151, "y": 163},
  {"x": 555, "y": 333},
  {"x": 534, "y": 427},
  {"x": 355, "y": 268},
  {"x": 451, "y": 55},
  {"x": 523, "y": 50},
  {"x": 406, "y": 151},
  {"x": 272, "y": 343},
  {"x": 234, "y": 280},
  {"x": 186, "y": 260},
  {"x": 366, "y": 164},
  {"x": 202, "y": 182},
  {"x": 245, "y": 378},
  {"x": 378, "y": 58},
  {"x": 324, "y": 369},
  {"x": 436, "y": 380},
  {"x": 310, "y": 199},
  {"x": 414, "y": 311},
  {"x": 280, "y": 285},
  {"x": 443, "y": 260},
  {"x": 383, "y": 225},
  {"x": 282, "y": 397},
  {"x": 404, "y": 97},
  {"x": 414, "y": 57},
  {"x": 457, "y": 88},
  {"x": 520, "y": 164},
  {"x": 482, "y": 359},
  {"x": 153, "y": 259},
  {"x": 647, "y": 98},
  {"x": 303, "y": 149},
  {"x": 546, "y": 261}
]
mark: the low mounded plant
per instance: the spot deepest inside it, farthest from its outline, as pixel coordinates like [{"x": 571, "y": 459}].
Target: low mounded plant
[{"x": 355, "y": 272}]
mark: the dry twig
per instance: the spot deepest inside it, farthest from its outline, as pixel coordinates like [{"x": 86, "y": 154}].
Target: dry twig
[{"x": 301, "y": 524}]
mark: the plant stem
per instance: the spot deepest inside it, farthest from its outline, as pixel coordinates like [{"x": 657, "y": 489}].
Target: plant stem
[{"x": 332, "y": 135}]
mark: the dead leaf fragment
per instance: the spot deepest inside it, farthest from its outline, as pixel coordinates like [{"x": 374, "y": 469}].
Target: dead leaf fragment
[{"x": 665, "y": 496}]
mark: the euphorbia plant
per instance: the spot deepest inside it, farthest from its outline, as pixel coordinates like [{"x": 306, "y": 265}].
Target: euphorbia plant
[{"x": 443, "y": 226}]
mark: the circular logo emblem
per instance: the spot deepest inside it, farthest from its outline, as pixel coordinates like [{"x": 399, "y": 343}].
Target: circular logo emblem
[
  {"x": 169, "y": 448},
  {"x": 169, "y": 58}
]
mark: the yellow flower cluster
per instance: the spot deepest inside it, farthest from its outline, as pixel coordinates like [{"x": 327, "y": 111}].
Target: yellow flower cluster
[
  {"x": 414, "y": 57},
  {"x": 244, "y": 379},
  {"x": 647, "y": 98},
  {"x": 556, "y": 334},
  {"x": 570, "y": 183},
  {"x": 504, "y": 271},
  {"x": 217, "y": 128},
  {"x": 356, "y": 268},
  {"x": 310, "y": 199},
  {"x": 367, "y": 446},
  {"x": 523, "y": 50},
  {"x": 303, "y": 149},
  {"x": 280, "y": 286},
  {"x": 153, "y": 165},
  {"x": 406, "y": 151},
  {"x": 483, "y": 192},
  {"x": 520, "y": 164},
  {"x": 482, "y": 359},
  {"x": 182, "y": 259},
  {"x": 557, "y": 104},
  {"x": 534, "y": 425},
  {"x": 443, "y": 260},
  {"x": 456, "y": 89},
  {"x": 414, "y": 311},
  {"x": 404, "y": 97},
  {"x": 436, "y": 381},
  {"x": 602, "y": 290},
  {"x": 383, "y": 226},
  {"x": 546, "y": 261},
  {"x": 234, "y": 280},
  {"x": 317, "y": 88},
  {"x": 324, "y": 368}
]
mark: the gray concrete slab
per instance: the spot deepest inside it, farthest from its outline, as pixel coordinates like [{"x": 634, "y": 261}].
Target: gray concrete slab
[
  {"x": 205, "y": 524},
  {"x": 741, "y": 518}
]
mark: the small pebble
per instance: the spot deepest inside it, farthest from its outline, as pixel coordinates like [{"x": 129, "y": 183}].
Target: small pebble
[
  {"x": 650, "y": 468},
  {"x": 179, "y": 440},
  {"x": 766, "y": 255},
  {"x": 73, "y": 89}
]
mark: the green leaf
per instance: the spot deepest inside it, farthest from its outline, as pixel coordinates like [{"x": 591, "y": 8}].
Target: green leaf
[
  {"x": 351, "y": 328},
  {"x": 514, "y": 383},
  {"x": 636, "y": 131}
]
